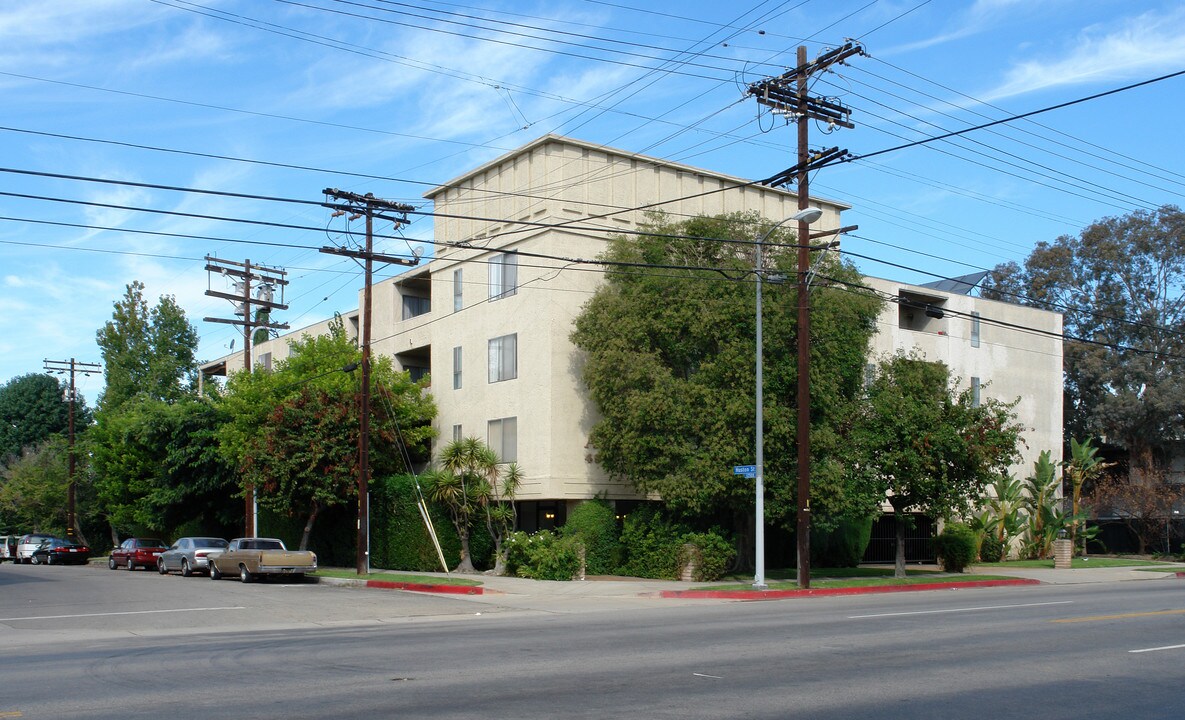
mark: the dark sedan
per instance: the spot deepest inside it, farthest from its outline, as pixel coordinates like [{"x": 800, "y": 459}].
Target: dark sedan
[{"x": 61, "y": 552}]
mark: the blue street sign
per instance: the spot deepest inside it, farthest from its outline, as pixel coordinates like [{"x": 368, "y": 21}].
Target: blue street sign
[{"x": 749, "y": 470}]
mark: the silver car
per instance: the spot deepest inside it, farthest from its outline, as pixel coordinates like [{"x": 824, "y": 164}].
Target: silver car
[{"x": 189, "y": 555}]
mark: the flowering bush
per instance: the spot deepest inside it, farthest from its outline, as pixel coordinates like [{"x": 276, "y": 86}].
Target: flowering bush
[{"x": 542, "y": 556}]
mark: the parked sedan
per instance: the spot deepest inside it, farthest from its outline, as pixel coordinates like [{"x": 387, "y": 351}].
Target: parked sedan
[
  {"x": 136, "y": 552},
  {"x": 189, "y": 555},
  {"x": 61, "y": 552}
]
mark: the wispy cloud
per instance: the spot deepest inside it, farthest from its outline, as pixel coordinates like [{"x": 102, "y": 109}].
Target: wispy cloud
[
  {"x": 1139, "y": 46},
  {"x": 983, "y": 15}
]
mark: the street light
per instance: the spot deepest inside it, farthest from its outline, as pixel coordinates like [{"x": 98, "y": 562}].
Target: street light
[{"x": 807, "y": 216}]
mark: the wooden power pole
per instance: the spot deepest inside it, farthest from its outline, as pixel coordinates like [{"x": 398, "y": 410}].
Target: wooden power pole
[
  {"x": 254, "y": 285},
  {"x": 72, "y": 367},
  {"x": 371, "y": 207},
  {"x": 789, "y": 94}
]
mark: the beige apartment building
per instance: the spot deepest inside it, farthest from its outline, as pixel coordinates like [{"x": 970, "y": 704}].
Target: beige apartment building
[{"x": 490, "y": 315}]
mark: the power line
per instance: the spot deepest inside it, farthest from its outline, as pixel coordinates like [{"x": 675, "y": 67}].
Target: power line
[{"x": 1010, "y": 119}]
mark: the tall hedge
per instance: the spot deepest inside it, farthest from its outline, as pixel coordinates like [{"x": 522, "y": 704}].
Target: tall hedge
[
  {"x": 843, "y": 546},
  {"x": 594, "y": 525}
]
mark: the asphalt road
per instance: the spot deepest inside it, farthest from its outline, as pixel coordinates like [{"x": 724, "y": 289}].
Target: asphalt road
[{"x": 91, "y": 643}]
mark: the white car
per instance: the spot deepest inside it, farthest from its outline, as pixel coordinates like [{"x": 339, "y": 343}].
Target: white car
[{"x": 29, "y": 543}]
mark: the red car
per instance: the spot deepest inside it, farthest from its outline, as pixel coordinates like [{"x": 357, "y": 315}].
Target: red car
[{"x": 136, "y": 553}]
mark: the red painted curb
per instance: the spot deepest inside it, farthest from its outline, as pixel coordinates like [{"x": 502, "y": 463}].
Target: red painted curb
[
  {"x": 1181, "y": 574},
  {"x": 779, "y": 594},
  {"x": 420, "y": 587}
]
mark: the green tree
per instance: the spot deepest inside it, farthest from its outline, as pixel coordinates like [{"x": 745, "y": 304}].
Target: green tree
[
  {"x": 1043, "y": 508},
  {"x": 670, "y": 368},
  {"x": 293, "y": 433},
  {"x": 1005, "y": 519},
  {"x": 928, "y": 447},
  {"x": 470, "y": 484},
  {"x": 146, "y": 351},
  {"x": 159, "y": 468},
  {"x": 33, "y": 488},
  {"x": 1081, "y": 471},
  {"x": 32, "y": 409},
  {"x": 1119, "y": 283}
]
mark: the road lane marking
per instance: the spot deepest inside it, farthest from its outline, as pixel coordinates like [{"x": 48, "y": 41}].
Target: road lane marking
[
  {"x": 714, "y": 677},
  {"x": 1124, "y": 616},
  {"x": 1166, "y": 647},
  {"x": 958, "y": 610},
  {"x": 128, "y": 612}
]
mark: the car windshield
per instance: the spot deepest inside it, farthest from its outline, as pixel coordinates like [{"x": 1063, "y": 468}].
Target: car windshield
[
  {"x": 209, "y": 543},
  {"x": 150, "y": 542}
]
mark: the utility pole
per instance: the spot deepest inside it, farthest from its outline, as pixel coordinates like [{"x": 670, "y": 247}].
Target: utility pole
[
  {"x": 789, "y": 94},
  {"x": 254, "y": 285},
  {"x": 61, "y": 367},
  {"x": 358, "y": 206}
]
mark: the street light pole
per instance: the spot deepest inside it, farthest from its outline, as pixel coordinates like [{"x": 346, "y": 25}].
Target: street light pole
[{"x": 803, "y": 217}]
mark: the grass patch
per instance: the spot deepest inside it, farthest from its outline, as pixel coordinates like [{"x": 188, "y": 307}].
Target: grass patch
[
  {"x": 1075, "y": 563},
  {"x": 880, "y": 576},
  {"x": 395, "y": 577},
  {"x": 791, "y": 575}
]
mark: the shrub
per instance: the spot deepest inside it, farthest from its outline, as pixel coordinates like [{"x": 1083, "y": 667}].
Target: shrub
[
  {"x": 991, "y": 550},
  {"x": 542, "y": 556},
  {"x": 714, "y": 554},
  {"x": 956, "y": 547},
  {"x": 842, "y": 547},
  {"x": 593, "y": 525},
  {"x": 651, "y": 545}
]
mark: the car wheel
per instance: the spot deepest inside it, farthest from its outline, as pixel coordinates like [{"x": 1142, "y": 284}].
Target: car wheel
[
  {"x": 36, "y": 560},
  {"x": 185, "y": 570},
  {"x": 214, "y": 574},
  {"x": 160, "y": 567},
  {"x": 131, "y": 565},
  {"x": 111, "y": 563},
  {"x": 245, "y": 574}
]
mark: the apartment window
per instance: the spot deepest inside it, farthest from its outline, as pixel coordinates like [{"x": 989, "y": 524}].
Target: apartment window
[
  {"x": 456, "y": 433},
  {"x": 458, "y": 296},
  {"x": 504, "y": 358},
  {"x": 503, "y": 275},
  {"x": 502, "y": 437},
  {"x": 974, "y": 329},
  {"x": 975, "y": 392},
  {"x": 265, "y": 359},
  {"x": 869, "y": 375},
  {"x": 457, "y": 368},
  {"x": 414, "y": 306}
]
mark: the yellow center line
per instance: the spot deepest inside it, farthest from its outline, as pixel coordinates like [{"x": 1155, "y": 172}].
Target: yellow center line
[
  {"x": 1121, "y": 617},
  {"x": 11, "y": 713}
]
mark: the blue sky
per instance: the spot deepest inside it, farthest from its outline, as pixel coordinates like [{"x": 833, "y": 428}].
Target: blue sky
[{"x": 416, "y": 93}]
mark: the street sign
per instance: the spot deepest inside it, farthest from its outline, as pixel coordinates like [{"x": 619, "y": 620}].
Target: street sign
[{"x": 746, "y": 470}]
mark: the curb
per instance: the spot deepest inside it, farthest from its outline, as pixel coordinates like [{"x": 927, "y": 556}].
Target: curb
[
  {"x": 413, "y": 587},
  {"x": 421, "y": 587},
  {"x": 825, "y": 592}
]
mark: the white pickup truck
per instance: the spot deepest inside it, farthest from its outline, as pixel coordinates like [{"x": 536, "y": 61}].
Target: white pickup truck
[{"x": 252, "y": 558}]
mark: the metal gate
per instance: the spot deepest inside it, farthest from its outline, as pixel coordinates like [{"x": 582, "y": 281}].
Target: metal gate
[{"x": 919, "y": 540}]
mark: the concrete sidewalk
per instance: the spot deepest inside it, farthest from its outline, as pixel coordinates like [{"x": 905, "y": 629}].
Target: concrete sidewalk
[{"x": 508, "y": 588}]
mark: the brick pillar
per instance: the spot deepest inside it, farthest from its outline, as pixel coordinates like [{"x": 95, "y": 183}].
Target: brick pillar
[{"x": 1063, "y": 550}]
